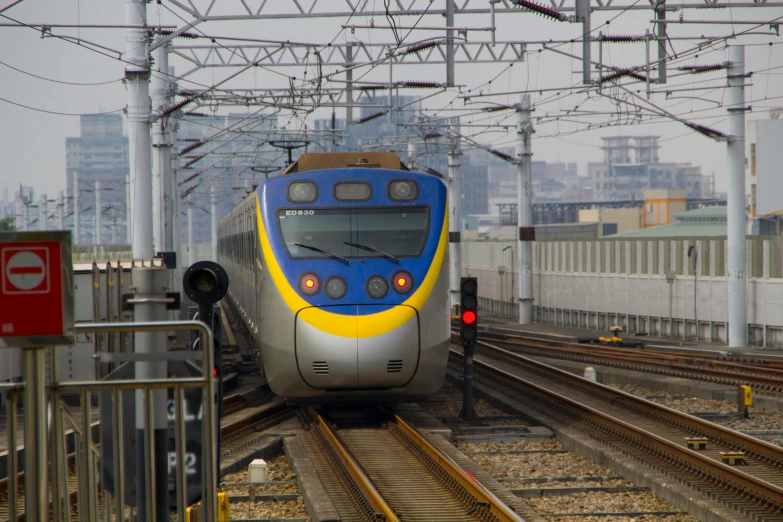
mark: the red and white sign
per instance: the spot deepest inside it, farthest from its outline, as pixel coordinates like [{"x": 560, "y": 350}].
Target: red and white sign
[
  {"x": 36, "y": 308},
  {"x": 26, "y": 270}
]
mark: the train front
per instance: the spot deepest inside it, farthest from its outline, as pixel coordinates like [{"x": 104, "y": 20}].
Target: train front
[{"x": 354, "y": 302}]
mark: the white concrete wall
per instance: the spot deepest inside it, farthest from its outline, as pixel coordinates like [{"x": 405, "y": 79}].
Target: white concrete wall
[{"x": 596, "y": 284}]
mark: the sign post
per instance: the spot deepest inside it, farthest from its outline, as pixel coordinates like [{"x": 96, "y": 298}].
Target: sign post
[{"x": 36, "y": 311}]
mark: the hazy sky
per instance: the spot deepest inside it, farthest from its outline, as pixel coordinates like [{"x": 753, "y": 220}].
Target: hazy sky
[{"x": 32, "y": 144}]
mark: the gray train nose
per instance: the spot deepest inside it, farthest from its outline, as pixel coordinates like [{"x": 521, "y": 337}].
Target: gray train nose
[{"x": 328, "y": 361}]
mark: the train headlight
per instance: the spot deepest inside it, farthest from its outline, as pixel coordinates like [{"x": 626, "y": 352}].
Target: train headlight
[
  {"x": 403, "y": 190},
  {"x": 309, "y": 284},
  {"x": 377, "y": 287},
  {"x": 336, "y": 287},
  {"x": 302, "y": 192},
  {"x": 402, "y": 282}
]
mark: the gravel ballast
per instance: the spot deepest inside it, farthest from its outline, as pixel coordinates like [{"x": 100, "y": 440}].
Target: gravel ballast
[
  {"x": 279, "y": 472},
  {"x": 566, "y": 470},
  {"x": 759, "y": 420}
]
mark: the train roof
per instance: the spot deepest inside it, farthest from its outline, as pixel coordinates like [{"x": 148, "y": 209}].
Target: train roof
[{"x": 332, "y": 160}]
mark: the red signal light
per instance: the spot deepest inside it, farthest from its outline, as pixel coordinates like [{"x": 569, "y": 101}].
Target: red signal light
[
  {"x": 310, "y": 283},
  {"x": 401, "y": 282},
  {"x": 214, "y": 372},
  {"x": 469, "y": 317}
]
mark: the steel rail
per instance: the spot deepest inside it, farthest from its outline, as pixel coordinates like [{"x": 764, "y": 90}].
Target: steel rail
[
  {"x": 720, "y": 372},
  {"x": 726, "y": 477},
  {"x": 760, "y": 449},
  {"x": 356, "y": 473},
  {"x": 476, "y": 489}
]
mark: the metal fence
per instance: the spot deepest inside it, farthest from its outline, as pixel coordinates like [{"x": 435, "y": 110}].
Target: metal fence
[{"x": 79, "y": 490}]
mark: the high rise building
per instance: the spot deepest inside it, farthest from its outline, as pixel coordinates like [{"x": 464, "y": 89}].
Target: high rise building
[
  {"x": 631, "y": 165},
  {"x": 100, "y": 153}
]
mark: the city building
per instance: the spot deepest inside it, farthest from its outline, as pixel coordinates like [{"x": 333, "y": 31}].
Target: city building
[
  {"x": 631, "y": 165},
  {"x": 99, "y": 154},
  {"x": 764, "y": 174},
  {"x": 612, "y": 221},
  {"x": 705, "y": 222}
]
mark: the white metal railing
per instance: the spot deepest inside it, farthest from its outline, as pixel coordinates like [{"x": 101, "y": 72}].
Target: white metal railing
[{"x": 76, "y": 491}]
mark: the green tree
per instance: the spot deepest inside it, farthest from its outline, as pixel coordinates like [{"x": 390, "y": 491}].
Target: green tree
[{"x": 7, "y": 223}]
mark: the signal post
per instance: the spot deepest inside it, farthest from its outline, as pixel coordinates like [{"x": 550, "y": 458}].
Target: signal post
[{"x": 468, "y": 334}]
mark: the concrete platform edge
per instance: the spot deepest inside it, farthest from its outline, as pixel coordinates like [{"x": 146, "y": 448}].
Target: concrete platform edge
[{"x": 316, "y": 499}]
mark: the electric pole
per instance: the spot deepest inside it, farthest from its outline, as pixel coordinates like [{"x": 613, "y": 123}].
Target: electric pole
[
  {"x": 527, "y": 232},
  {"x": 736, "y": 213}
]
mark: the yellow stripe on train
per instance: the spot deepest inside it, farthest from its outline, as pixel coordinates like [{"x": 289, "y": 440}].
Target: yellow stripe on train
[{"x": 348, "y": 325}]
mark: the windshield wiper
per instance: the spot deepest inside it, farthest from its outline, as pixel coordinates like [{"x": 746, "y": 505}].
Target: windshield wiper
[
  {"x": 324, "y": 252},
  {"x": 371, "y": 249}
]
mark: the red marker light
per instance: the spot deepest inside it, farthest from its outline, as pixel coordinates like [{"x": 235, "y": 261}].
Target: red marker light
[
  {"x": 214, "y": 372},
  {"x": 469, "y": 317},
  {"x": 310, "y": 283},
  {"x": 401, "y": 282}
]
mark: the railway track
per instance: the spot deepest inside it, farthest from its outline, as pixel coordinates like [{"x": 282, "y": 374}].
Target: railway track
[
  {"x": 733, "y": 371},
  {"x": 378, "y": 467},
  {"x": 239, "y": 432},
  {"x": 652, "y": 433}
]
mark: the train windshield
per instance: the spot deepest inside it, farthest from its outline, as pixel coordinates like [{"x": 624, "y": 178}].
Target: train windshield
[{"x": 389, "y": 231}]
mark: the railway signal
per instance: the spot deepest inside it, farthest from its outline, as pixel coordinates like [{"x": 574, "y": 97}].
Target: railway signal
[
  {"x": 206, "y": 283},
  {"x": 468, "y": 333}
]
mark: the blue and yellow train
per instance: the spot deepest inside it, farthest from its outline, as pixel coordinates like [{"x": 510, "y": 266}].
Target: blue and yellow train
[{"x": 339, "y": 268}]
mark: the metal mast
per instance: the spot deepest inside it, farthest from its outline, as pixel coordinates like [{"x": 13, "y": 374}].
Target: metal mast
[
  {"x": 61, "y": 211},
  {"x": 137, "y": 75},
  {"x": 76, "y": 230},
  {"x": 149, "y": 474},
  {"x": 525, "y": 210},
  {"x": 160, "y": 89},
  {"x": 736, "y": 216},
  {"x": 214, "y": 211},
  {"x": 455, "y": 215},
  {"x": 96, "y": 237}
]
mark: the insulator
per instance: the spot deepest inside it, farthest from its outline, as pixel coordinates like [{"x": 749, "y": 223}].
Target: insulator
[
  {"x": 421, "y": 85},
  {"x": 432, "y": 135},
  {"x": 621, "y": 38},
  {"x": 623, "y": 72},
  {"x": 191, "y": 147},
  {"x": 706, "y": 131},
  {"x": 187, "y": 92},
  {"x": 541, "y": 9},
  {"x": 370, "y": 117},
  {"x": 166, "y": 32},
  {"x": 501, "y": 155},
  {"x": 191, "y": 162},
  {"x": 199, "y": 114},
  {"x": 698, "y": 69},
  {"x": 420, "y": 46},
  {"x": 498, "y": 108},
  {"x": 373, "y": 87},
  {"x": 177, "y": 106}
]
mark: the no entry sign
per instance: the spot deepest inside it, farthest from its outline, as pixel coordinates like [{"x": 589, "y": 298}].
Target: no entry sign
[{"x": 36, "y": 289}]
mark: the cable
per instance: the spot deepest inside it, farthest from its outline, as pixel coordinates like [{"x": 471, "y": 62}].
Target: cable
[
  {"x": 59, "y": 81},
  {"x": 58, "y": 113}
]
